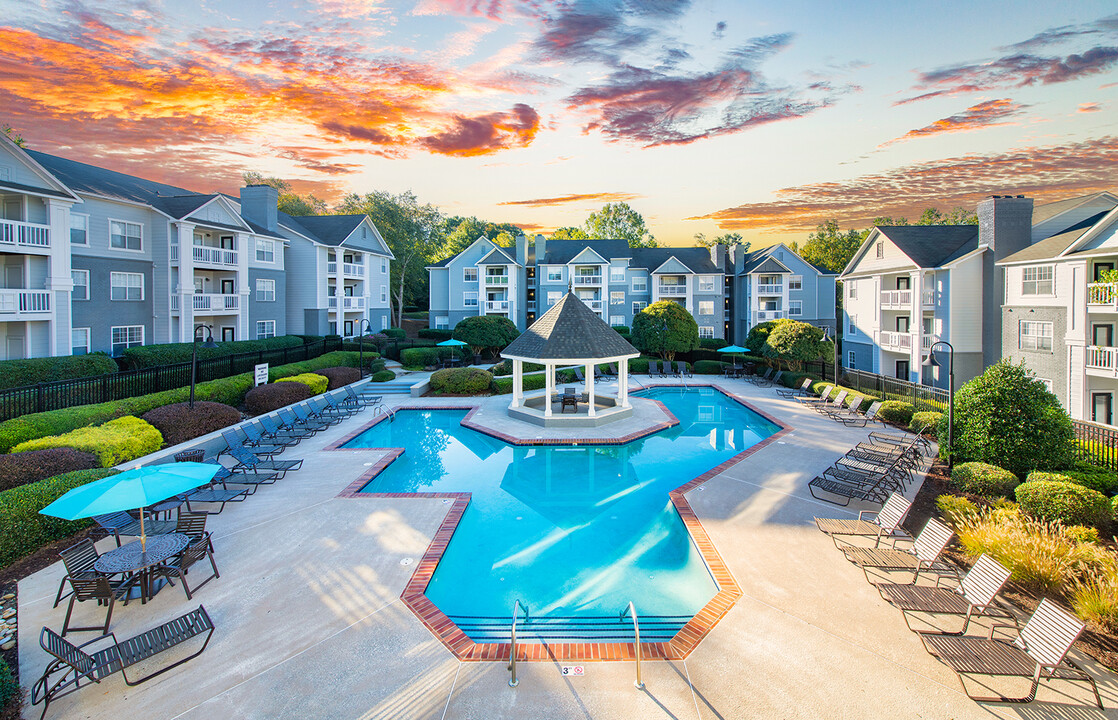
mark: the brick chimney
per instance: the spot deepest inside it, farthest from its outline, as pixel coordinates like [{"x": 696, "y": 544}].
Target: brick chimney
[
  {"x": 718, "y": 255},
  {"x": 259, "y": 203},
  {"x": 541, "y": 248}
]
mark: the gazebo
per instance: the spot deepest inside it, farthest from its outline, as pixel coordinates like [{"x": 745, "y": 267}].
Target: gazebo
[{"x": 569, "y": 333}]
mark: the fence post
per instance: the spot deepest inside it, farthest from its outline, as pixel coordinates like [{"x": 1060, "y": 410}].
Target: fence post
[{"x": 40, "y": 398}]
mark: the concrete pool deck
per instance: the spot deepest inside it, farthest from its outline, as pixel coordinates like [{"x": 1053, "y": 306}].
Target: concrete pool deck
[{"x": 310, "y": 623}]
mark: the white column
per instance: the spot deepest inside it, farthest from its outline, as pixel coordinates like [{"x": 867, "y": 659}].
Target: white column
[
  {"x": 244, "y": 244},
  {"x": 185, "y": 289},
  {"x": 59, "y": 279},
  {"x": 916, "y": 326},
  {"x": 623, "y": 383},
  {"x": 339, "y": 289},
  {"x": 590, "y": 390},
  {"x": 549, "y": 387},
  {"x": 517, "y": 382}
]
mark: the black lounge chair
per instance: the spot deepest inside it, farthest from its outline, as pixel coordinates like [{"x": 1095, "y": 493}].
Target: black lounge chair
[
  {"x": 121, "y": 523},
  {"x": 309, "y": 419},
  {"x": 216, "y": 492},
  {"x": 761, "y": 378},
  {"x": 598, "y": 376},
  {"x": 247, "y": 461},
  {"x": 253, "y": 480},
  {"x": 233, "y": 439},
  {"x": 683, "y": 368},
  {"x": 259, "y": 436},
  {"x": 73, "y": 667},
  {"x": 611, "y": 370},
  {"x": 669, "y": 371},
  {"x": 305, "y": 424},
  {"x": 653, "y": 368},
  {"x": 771, "y": 380},
  {"x": 78, "y": 560},
  {"x": 278, "y": 433},
  {"x": 365, "y": 399}
]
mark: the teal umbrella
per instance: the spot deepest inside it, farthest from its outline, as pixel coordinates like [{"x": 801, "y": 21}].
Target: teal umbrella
[
  {"x": 136, "y": 488},
  {"x": 452, "y": 343},
  {"x": 733, "y": 349}
]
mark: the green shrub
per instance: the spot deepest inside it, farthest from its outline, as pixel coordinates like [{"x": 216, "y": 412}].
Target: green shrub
[
  {"x": 417, "y": 358},
  {"x": 925, "y": 420},
  {"x": 1082, "y": 534},
  {"x": 706, "y": 367},
  {"x": 1114, "y": 506},
  {"x": 178, "y": 423},
  {"x": 896, "y": 412},
  {"x": 461, "y": 381},
  {"x": 1097, "y": 453},
  {"x": 346, "y": 358},
  {"x": 712, "y": 343},
  {"x": 665, "y": 328},
  {"x": 17, "y": 373},
  {"x": 795, "y": 380},
  {"x": 1008, "y": 418},
  {"x": 170, "y": 353},
  {"x": 341, "y": 376},
  {"x": 395, "y": 333},
  {"x": 1063, "y": 502},
  {"x": 268, "y": 398},
  {"x": 505, "y": 367},
  {"x": 22, "y": 529},
  {"x": 115, "y": 442},
  {"x": 955, "y": 509},
  {"x": 982, "y": 479},
  {"x": 28, "y": 467},
  {"x": 317, "y": 383},
  {"x": 503, "y": 385},
  {"x": 621, "y": 329},
  {"x": 1102, "y": 482},
  {"x": 382, "y": 376},
  {"x": 637, "y": 365},
  {"x": 819, "y": 387},
  {"x": 439, "y": 334},
  {"x": 9, "y": 688}
]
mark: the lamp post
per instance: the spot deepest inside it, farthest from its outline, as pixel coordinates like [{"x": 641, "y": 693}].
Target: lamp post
[
  {"x": 209, "y": 344},
  {"x": 932, "y": 362},
  {"x": 834, "y": 342},
  {"x": 361, "y": 344}
]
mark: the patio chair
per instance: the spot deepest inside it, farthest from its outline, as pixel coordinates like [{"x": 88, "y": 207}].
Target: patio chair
[
  {"x": 121, "y": 523},
  {"x": 304, "y": 424},
  {"x": 862, "y": 420},
  {"x": 611, "y": 370},
  {"x": 835, "y": 402},
  {"x": 248, "y": 461},
  {"x": 282, "y": 434},
  {"x": 654, "y": 368},
  {"x": 598, "y": 376},
  {"x": 791, "y": 393},
  {"x": 201, "y": 547},
  {"x": 216, "y": 492},
  {"x": 1039, "y": 652},
  {"x": 810, "y": 400},
  {"x": 78, "y": 559},
  {"x": 73, "y": 667},
  {"x": 976, "y": 595},
  {"x": 233, "y": 440},
  {"x": 886, "y": 438},
  {"x": 259, "y": 436},
  {"x": 253, "y": 480},
  {"x": 758, "y": 379},
  {"x": 327, "y": 406},
  {"x": 579, "y": 376},
  {"x": 101, "y": 589},
  {"x": 851, "y": 485},
  {"x": 923, "y": 556},
  {"x": 365, "y": 399},
  {"x": 851, "y": 410},
  {"x": 307, "y": 418},
  {"x": 683, "y": 368},
  {"x": 885, "y": 525},
  {"x": 672, "y": 372}
]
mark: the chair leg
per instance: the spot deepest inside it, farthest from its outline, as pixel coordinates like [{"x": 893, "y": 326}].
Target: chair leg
[{"x": 61, "y": 587}]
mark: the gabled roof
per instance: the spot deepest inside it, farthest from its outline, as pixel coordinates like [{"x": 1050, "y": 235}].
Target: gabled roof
[
  {"x": 695, "y": 258},
  {"x": 1050, "y": 210},
  {"x": 569, "y": 331},
  {"x": 754, "y": 260},
  {"x": 561, "y": 252},
  {"x": 179, "y": 206},
  {"x": 81, "y": 177},
  {"x": 770, "y": 265},
  {"x": 589, "y": 256},
  {"x": 327, "y": 229},
  {"x": 21, "y": 188},
  {"x": 929, "y": 246},
  {"x": 1056, "y": 245},
  {"x": 497, "y": 256}
]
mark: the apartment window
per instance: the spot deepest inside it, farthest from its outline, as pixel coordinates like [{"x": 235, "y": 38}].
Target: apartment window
[
  {"x": 796, "y": 282},
  {"x": 265, "y": 252},
  {"x": 617, "y": 274},
  {"x": 553, "y": 297},
  {"x": 125, "y": 235},
  {"x": 383, "y": 322},
  {"x": 384, "y": 265},
  {"x": 616, "y": 320},
  {"x": 126, "y": 286},
  {"x": 852, "y": 328},
  {"x": 706, "y": 307},
  {"x": 640, "y": 284},
  {"x": 79, "y": 341},
  {"x": 555, "y": 274},
  {"x": 638, "y": 306},
  {"x": 706, "y": 331},
  {"x": 795, "y": 307},
  {"x": 126, "y": 336},
  {"x": 81, "y": 284},
  {"x": 469, "y": 274},
  {"x": 265, "y": 290},
  {"x": 384, "y": 293},
  {"x": 267, "y": 329},
  {"x": 617, "y": 298},
  {"x": 442, "y": 322},
  {"x": 79, "y": 229},
  {"x": 469, "y": 299},
  {"x": 880, "y": 249},
  {"x": 706, "y": 283},
  {"x": 1035, "y": 335},
  {"x": 850, "y": 360},
  {"x": 1037, "y": 280},
  {"x": 851, "y": 291}
]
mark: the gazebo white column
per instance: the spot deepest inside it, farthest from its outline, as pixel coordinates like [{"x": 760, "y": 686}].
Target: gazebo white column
[
  {"x": 517, "y": 383},
  {"x": 623, "y": 383},
  {"x": 590, "y": 410},
  {"x": 549, "y": 387}
]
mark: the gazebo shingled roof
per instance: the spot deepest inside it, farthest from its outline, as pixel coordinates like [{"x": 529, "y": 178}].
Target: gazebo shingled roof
[{"x": 569, "y": 331}]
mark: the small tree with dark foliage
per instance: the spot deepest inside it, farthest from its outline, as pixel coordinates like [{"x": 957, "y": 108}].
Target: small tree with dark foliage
[
  {"x": 483, "y": 332},
  {"x": 665, "y": 328}
]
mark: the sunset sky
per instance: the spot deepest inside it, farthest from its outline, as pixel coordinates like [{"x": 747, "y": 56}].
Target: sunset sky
[{"x": 759, "y": 118}]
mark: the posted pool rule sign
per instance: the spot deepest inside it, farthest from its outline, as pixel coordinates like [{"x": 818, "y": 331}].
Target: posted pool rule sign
[{"x": 262, "y": 374}]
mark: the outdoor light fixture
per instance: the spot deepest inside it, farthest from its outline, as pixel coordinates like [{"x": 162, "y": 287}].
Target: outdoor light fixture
[
  {"x": 931, "y": 361},
  {"x": 834, "y": 341},
  {"x": 364, "y": 323},
  {"x": 208, "y": 344}
]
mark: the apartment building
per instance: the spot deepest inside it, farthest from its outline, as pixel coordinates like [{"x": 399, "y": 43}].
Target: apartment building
[
  {"x": 1060, "y": 304},
  {"x": 96, "y": 260},
  {"x": 773, "y": 283}
]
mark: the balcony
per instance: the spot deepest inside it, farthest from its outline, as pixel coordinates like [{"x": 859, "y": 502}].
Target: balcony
[
  {"x": 349, "y": 303},
  {"x": 498, "y": 306},
  {"x": 214, "y": 303},
  {"x": 594, "y": 280},
  {"x": 16, "y": 233},
  {"x": 770, "y": 289},
  {"x": 1102, "y": 296},
  {"x": 348, "y": 269},
  {"x": 929, "y": 299},
  {"x": 900, "y": 299},
  {"x": 595, "y": 305},
  {"x": 675, "y": 290},
  {"x": 763, "y": 315},
  {"x": 888, "y": 340},
  {"x": 23, "y": 302},
  {"x": 1102, "y": 361},
  {"x": 213, "y": 256},
  {"x": 501, "y": 280}
]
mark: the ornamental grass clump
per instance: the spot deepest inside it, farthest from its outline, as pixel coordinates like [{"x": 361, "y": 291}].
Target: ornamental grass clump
[{"x": 1094, "y": 597}]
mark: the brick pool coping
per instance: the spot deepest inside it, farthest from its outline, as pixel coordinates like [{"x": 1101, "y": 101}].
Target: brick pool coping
[{"x": 465, "y": 649}]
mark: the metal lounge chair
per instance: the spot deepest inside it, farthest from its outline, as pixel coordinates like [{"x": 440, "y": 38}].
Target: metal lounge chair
[
  {"x": 252, "y": 479},
  {"x": 327, "y": 409},
  {"x": 790, "y": 393},
  {"x": 259, "y": 435},
  {"x": 611, "y": 370},
  {"x": 598, "y": 376},
  {"x": 923, "y": 556},
  {"x": 672, "y": 372},
  {"x": 761, "y": 378},
  {"x": 364, "y": 399},
  {"x": 233, "y": 439},
  {"x": 292, "y": 421},
  {"x": 306, "y": 419},
  {"x": 885, "y": 525},
  {"x": 835, "y": 402},
  {"x": 247, "y": 461},
  {"x": 886, "y": 438},
  {"x": 850, "y": 485},
  {"x": 837, "y": 413},
  {"x": 810, "y": 400},
  {"x": 282, "y": 434},
  {"x": 773, "y": 380},
  {"x": 683, "y": 368},
  {"x": 976, "y": 595},
  {"x": 1039, "y": 652},
  {"x": 121, "y": 523},
  {"x": 579, "y": 376},
  {"x": 73, "y": 667},
  {"x": 653, "y": 368},
  {"x": 216, "y": 492},
  {"x": 861, "y": 420},
  {"x": 341, "y": 403},
  {"x": 200, "y": 548}
]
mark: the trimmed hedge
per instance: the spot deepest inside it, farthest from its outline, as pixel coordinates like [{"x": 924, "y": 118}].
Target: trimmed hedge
[
  {"x": 795, "y": 379},
  {"x": 707, "y": 367},
  {"x": 637, "y": 365},
  {"x": 505, "y": 368},
  {"x": 925, "y": 419},
  {"x": 896, "y": 412},
  {"x": 170, "y": 353},
  {"x": 982, "y": 479},
  {"x": 394, "y": 333},
  {"x": 503, "y": 385},
  {"x": 28, "y": 467},
  {"x": 623, "y": 329},
  {"x": 461, "y": 381},
  {"x": 439, "y": 334},
  {"x": 317, "y": 383},
  {"x": 341, "y": 376},
  {"x": 421, "y": 357},
  {"x": 382, "y": 376},
  {"x": 346, "y": 358},
  {"x": 17, "y": 373},
  {"x": 22, "y": 529},
  {"x": 1102, "y": 482},
  {"x": 116, "y": 441},
  {"x": 712, "y": 343},
  {"x": 268, "y": 398},
  {"x": 1064, "y": 502},
  {"x": 178, "y": 423}
]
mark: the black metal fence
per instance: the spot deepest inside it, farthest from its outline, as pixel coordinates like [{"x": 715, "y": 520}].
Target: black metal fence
[
  {"x": 118, "y": 386},
  {"x": 1097, "y": 444},
  {"x": 924, "y": 397}
]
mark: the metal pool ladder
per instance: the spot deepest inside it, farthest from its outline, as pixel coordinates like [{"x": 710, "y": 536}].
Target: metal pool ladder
[
  {"x": 632, "y": 610},
  {"x": 513, "y": 682}
]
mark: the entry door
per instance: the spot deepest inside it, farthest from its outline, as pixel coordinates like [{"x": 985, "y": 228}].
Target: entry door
[
  {"x": 1102, "y": 408},
  {"x": 227, "y": 287},
  {"x": 227, "y": 242},
  {"x": 349, "y": 328},
  {"x": 1100, "y": 268},
  {"x": 1103, "y": 335},
  {"x": 902, "y": 370},
  {"x": 228, "y": 334},
  {"x": 15, "y": 347},
  {"x": 904, "y": 283},
  {"x": 902, "y": 323}
]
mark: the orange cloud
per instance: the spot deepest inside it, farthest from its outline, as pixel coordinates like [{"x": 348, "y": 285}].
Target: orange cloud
[
  {"x": 991, "y": 113},
  {"x": 1089, "y": 107},
  {"x": 486, "y": 134},
  {"x": 575, "y": 198}
]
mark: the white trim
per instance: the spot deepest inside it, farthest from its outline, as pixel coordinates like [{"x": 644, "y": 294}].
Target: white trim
[
  {"x": 256, "y": 249},
  {"x": 88, "y": 339},
  {"x": 265, "y": 323},
  {"x": 139, "y": 250},
  {"x": 74, "y": 271},
  {"x": 84, "y": 216},
  {"x": 263, "y": 290},
  {"x": 127, "y": 285},
  {"x": 127, "y": 343}
]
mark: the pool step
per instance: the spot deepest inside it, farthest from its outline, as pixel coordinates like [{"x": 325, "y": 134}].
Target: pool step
[
  {"x": 654, "y": 628},
  {"x": 392, "y": 387}
]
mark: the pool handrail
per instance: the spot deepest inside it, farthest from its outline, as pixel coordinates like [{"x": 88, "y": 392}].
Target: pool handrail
[
  {"x": 632, "y": 610},
  {"x": 513, "y": 682}
]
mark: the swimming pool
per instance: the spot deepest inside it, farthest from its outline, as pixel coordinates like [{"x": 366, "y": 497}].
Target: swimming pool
[{"x": 568, "y": 531}]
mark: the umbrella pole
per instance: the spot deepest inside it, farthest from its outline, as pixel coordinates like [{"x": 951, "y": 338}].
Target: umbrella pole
[{"x": 143, "y": 536}]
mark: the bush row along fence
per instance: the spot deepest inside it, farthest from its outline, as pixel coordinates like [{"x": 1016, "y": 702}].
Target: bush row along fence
[
  {"x": 1096, "y": 443},
  {"x": 888, "y": 388},
  {"x": 130, "y": 383}
]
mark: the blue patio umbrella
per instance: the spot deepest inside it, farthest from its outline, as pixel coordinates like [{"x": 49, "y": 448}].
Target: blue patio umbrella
[
  {"x": 733, "y": 349},
  {"x": 452, "y": 343},
  {"x": 136, "y": 488}
]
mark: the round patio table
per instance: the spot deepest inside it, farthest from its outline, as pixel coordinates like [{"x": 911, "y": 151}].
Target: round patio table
[{"x": 130, "y": 559}]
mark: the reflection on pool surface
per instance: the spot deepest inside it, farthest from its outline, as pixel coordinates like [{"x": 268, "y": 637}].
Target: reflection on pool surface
[{"x": 573, "y": 531}]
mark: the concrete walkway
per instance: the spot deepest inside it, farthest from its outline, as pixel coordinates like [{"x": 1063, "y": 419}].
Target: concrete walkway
[{"x": 310, "y": 624}]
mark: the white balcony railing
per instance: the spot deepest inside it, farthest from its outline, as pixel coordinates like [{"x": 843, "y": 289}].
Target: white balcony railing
[
  {"x": 762, "y": 315},
  {"x": 896, "y": 298},
  {"x": 353, "y": 270},
  {"x": 216, "y": 302},
  {"x": 215, "y": 255},
  {"x": 17, "y": 232},
  {"x": 672, "y": 289},
  {"x": 501, "y": 306},
  {"x": 1102, "y": 358},
  {"x": 353, "y": 303},
  {"x": 1103, "y": 294},
  {"x": 174, "y": 253},
  {"x": 770, "y": 289},
  {"x": 595, "y": 305},
  {"x": 929, "y": 298},
  {"x": 586, "y": 279},
  {"x": 496, "y": 279},
  {"x": 24, "y": 302},
  {"x": 331, "y": 268},
  {"x": 894, "y": 340},
  {"x": 927, "y": 340}
]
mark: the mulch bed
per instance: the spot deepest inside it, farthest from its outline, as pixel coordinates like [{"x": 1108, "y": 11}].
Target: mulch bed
[{"x": 1101, "y": 645}]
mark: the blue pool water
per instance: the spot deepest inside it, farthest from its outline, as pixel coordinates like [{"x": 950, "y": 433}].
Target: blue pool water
[{"x": 571, "y": 531}]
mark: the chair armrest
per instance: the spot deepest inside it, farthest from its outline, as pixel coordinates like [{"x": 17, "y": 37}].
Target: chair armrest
[
  {"x": 995, "y": 626},
  {"x": 98, "y": 638},
  {"x": 863, "y": 513}
]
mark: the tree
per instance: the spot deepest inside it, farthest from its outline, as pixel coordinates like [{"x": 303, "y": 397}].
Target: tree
[
  {"x": 569, "y": 233},
  {"x": 621, "y": 222},
  {"x": 795, "y": 343},
  {"x": 461, "y": 232},
  {"x": 759, "y": 334},
  {"x": 665, "y": 328},
  {"x": 413, "y": 232},
  {"x": 726, "y": 239},
  {"x": 290, "y": 202},
  {"x": 483, "y": 332},
  {"x": 13, "y": 136},
  {"x": 829, "y": 247}
]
